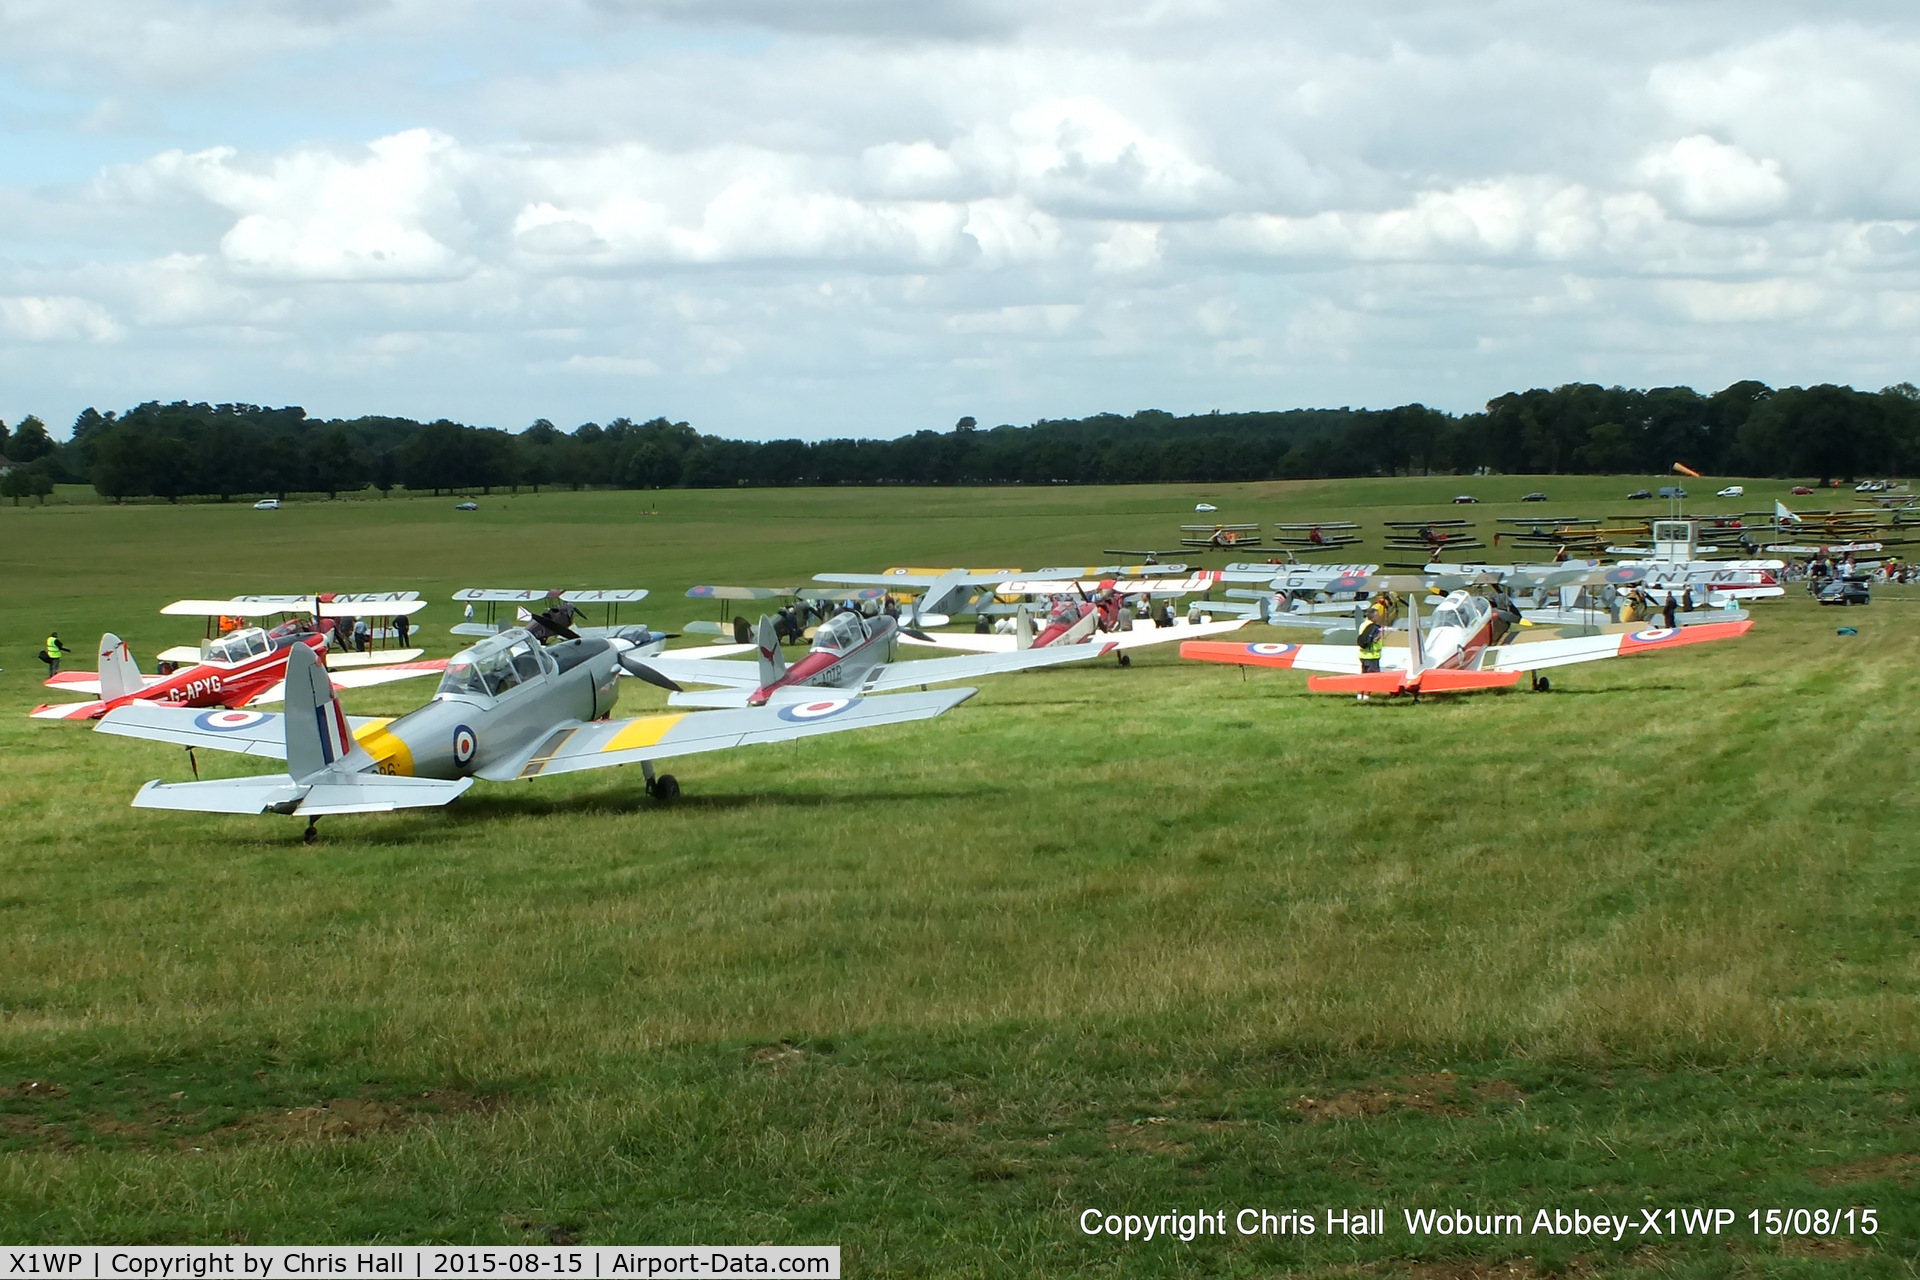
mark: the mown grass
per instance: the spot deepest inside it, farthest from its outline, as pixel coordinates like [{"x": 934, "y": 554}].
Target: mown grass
[{"x": 1149, "y": 940}]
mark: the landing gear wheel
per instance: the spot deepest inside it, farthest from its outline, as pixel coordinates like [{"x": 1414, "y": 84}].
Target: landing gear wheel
[
  {"x": 1542, "y": 685},
  {"x": 666, "y": 787},
  {"x": 312, "y": 835},
  {"x": 1125, "y": 661}
]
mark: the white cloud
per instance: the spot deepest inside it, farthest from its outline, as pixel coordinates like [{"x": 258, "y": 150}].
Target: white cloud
[
  {"x": 770, "y": 212},
  {"x": 30, "y": 319},
  {"x": 1710, "y": 180}
]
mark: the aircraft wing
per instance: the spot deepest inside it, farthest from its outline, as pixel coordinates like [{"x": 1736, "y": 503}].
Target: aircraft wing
[
  {"x": 729, "y": 675},
  {"x": 1145, "y": 634},
  {"x": 67, "y": 710},
  {"x": 247, "y": 733},
  {"x": 1341, "y": 659},
  {"x": 904, "y": 675},
  {"x": 967, "y": 642},
  {"x": 1561, "y": 653},
  {"x": 574, "y": 746},
  {"x": 365, "y": 677}
]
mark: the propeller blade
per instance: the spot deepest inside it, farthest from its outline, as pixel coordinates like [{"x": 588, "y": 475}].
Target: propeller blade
[
  {"x": 641, "y": 671},
  {"x": 917, "y": 634}
]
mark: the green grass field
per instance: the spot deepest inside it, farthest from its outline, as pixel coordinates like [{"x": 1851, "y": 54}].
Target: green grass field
[{"x": 1164, "y": 939}]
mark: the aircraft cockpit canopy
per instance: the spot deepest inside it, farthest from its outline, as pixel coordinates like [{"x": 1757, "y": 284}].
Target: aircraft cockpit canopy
[
  {"x": 841, "y": 632},
  {"x": 231, "y": 650},
  {"x": 495, "y": 665}
]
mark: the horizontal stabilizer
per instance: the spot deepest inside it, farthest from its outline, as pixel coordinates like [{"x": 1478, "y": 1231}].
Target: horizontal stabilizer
[
  {"x": 67, "y": 710},
  {"x": 279, "y": 793}
]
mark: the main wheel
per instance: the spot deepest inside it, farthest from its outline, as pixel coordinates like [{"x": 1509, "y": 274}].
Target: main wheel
[
  {"x": 1542, "y": 685},
  {"x": 666, "y": 787},
  {"x": 1125, "y": 661}
]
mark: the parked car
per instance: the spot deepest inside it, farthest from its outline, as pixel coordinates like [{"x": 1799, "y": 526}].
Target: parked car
[
  {"x": 1846, "y": 591},
  {"x": 1871, "y": 486},
  {"x": 1672, "y": 491},
  {"x": 1799, "y": 491},
  {"x": 267, "y": 504},
  {"x": 468, "y": 506},
  {"x": 1535, "y": 496},
  {"x": 1465, "y": 497},
  {"x": 1639, "y": 494},
  {"x": 1733, "y": 491},
  {"x": 1204, "y": 506}
]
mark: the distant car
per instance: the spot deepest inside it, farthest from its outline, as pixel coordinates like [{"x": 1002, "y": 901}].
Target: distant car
[
  {"x": 1638, "y": 494},
  {"x": 468, "y": 506},
  {"x": 1204, "y": 506},
  {"x": 1535, "y": 496},
  {"x": 1846, "y": 591},
  {"x": 1733, "y": 491},
  {"x": 1465, "y": 497},
  {"x": 267, "y": 504},
  {"x": 1799, "y": 491},
  {"x": 1672, "y": 491}
]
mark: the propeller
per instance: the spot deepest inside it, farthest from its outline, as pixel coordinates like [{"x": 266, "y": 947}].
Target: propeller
[{"x": 641, "y": 671}]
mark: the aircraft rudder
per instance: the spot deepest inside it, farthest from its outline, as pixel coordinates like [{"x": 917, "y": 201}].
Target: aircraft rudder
[
  {"x": 119, "y": 673},
  {"x": 318, "y": 736},
  {"x": 773, "y": 663}
]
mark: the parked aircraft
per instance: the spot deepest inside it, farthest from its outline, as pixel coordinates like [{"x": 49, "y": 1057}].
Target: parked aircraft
[
  {"x": 508, "y": 708},
  {"x": 243, "y": 668},
  {"x": 1451, "y": 652},
  {"x": 850, "y": 651},
  {"x": 302, "y": 614}
]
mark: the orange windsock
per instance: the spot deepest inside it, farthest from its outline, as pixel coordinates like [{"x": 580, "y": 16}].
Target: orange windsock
[{"x": 1682, "y": 469}]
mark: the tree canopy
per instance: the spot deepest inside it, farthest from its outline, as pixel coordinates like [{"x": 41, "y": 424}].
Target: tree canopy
[{"x": 180, "y": 449}]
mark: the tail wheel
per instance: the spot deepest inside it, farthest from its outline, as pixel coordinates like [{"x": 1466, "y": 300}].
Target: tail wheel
[
  {"x": 1125, "y": 661},
  {"x": 666, "y": 787}
]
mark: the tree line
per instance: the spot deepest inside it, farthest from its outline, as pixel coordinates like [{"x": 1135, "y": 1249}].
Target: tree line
[{"x": 227, "y": 450}]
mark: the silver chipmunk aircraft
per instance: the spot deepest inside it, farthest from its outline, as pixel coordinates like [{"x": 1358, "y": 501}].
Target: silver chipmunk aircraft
[
  {"x": 506, "y": 709},
  {"x": 850, "y": 651}
]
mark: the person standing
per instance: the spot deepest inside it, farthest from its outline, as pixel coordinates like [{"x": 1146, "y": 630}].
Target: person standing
[
  {"x": 1372, "y": 636},
  {"x": 54, "y": 652},
  {"x": 1667, "y": 611},
  {"x": 401, "y": 626}
]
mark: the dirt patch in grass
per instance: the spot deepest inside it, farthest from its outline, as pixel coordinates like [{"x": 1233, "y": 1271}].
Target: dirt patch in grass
[
  {"x": 154, "y": 1124},
  {"x": 1506, "y": 1269},
  {"x": 1439, "y": 1093},
  {"x": 1822, "y": 1247},
  {"x": 1900, "y": 1167}
]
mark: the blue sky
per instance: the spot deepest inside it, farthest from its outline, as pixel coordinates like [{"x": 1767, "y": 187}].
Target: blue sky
[{"x": 855, "y": 216}]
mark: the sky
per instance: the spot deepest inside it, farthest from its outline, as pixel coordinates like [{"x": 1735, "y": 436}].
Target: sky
[{"x": 868, "y": 217}]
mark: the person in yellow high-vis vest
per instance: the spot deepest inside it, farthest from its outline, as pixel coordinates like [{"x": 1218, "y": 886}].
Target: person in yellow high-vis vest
[
  {"x": 1372, "y": 636},
  {"x": 54, "y": 652}
]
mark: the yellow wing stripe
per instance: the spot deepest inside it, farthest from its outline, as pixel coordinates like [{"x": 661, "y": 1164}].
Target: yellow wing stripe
[{"x": 644, "y": 732}]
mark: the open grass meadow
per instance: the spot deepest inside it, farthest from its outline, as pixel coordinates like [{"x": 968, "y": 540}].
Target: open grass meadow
[{"x": 1168, "y": 939}]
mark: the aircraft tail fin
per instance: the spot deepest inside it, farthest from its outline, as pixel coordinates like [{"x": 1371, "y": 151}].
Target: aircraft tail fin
[
  {"x": 119, "y": 673},
  {"x": 318, "y": 737},
  {"x": 773, "y": 663},
  {"x": 1023, "y": 629}
]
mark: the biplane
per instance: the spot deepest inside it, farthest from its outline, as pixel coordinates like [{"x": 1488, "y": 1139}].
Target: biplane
[
  {"x": 1312, "y": 539},
  {"x": 245, "y": 667},
  {"x": 507, "y": 709},
  {"x": 557, "y": 614},
  {"x": 1220, "y": 537},
  {"x": 1451, "y": 652},
  {"x": 331, "y": 612},
  {"x": 1433, "y": 538}
]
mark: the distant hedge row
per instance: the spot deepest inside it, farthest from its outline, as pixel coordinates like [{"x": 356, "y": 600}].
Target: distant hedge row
[{"x": 179, "y": 450}]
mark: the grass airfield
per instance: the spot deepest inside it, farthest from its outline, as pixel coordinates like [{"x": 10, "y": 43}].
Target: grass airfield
[{"x": 1153, "y": 940}]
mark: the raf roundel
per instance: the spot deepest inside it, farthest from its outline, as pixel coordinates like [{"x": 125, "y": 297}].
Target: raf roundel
[
  {"x": 228, "y": 721},
  {"x": 801, "y": 712},
  {"x": 1270, "y": 650},
  {"x": 464, "y": 745},
  {"x": 1655, "y": 633}
]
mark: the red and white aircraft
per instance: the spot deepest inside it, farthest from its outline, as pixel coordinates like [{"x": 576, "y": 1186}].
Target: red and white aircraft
[
  {"x": 850, "y": 651},
  {"x": 1451, "y": 653},
  {"x": 247, "y": 666},
  {"x": 1091, "y": 610}
]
